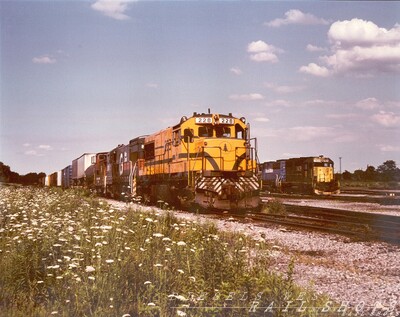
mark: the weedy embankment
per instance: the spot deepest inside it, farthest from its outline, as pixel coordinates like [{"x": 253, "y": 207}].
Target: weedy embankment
[{"x": 63, "y": 253}]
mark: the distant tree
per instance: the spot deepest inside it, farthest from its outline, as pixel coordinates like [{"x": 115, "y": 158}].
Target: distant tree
[
  {"x": 358, "y": 175},
  {"x": 5, "y": 173},
  {"x": 370, "y": 174},
  {"x": 8, "y": 176},
  {"x": 346, "y": 175},
  {"x": 388, "y": 171}
]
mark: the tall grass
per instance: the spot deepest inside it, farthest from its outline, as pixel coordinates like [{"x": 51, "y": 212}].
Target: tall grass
[{"x": 65, "y": 254}]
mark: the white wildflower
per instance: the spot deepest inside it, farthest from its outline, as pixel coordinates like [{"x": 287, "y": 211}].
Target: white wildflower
[
  {"x": 151, "y": 304},
  {"x": 181, "y": 243},
  {"x": 109, "y": 261},
  {"x": 89, "y": 269},
  {"x": 181, "y": 298},
  {"x": 180, "y": 313},
  {"x": 181, "y": 271},
  {"x": 147, "y": 282}
]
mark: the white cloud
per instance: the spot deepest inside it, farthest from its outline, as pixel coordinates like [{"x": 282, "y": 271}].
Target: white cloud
[
  {"x": 45, "y": 147},
  {"x": 313, "y": 48},
  {"x": 32, "y": 153},
  {"x": 342, "y": 116},
  {"x": 283, "y": 89},
  {"x": 360, "y": 48},
  {"x": 316, "y": 70},
  {"x": 389, "y": 148},
  {"x": 297, "y": 17},
  {"x": 320, "y": 103},
  {"x": 359, "y": 32},
  {"x": 26, "y": 145},
  {"x": 263, "y": 52},
  {"x": 247, "y": 97},
  {"x": 368, "y": 104},
  {"x": 44, "y": 59},
  {"x": 261, "y": 119},
  {"x": 112, "y": 8},
  {"x": 386, "y": 119},
  {"x": 236, "y": 70}
]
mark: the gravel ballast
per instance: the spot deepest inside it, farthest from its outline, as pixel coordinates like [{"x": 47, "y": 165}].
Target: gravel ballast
[{"x": 362, "y": 275}]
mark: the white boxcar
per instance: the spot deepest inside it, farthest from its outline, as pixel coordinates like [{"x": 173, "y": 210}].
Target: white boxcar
[{"x": 79, "y": 166}]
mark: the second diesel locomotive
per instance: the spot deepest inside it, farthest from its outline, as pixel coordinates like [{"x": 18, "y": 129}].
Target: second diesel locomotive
[
  {"x": 207, "y": 159},
  {"x": 308, "y": 175}
]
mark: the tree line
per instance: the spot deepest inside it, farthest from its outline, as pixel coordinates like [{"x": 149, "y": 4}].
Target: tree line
[
  {"x": 386, "y": 172},
  {"x": 8, "y": 176}
]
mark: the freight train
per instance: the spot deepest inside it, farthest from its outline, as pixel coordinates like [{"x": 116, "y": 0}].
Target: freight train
[
  {"x": 307, "y": 175},
  {"x": 208, "y": 159}
]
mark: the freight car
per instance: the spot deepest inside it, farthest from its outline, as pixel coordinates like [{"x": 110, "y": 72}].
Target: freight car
[
  {"x": 309, "y": 175},
  {"x": 80, "y": 168}
]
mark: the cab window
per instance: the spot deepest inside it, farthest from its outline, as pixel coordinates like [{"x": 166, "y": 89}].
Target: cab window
[
  {"x": 149, "y": 152},
  {"x": 239, "y": 132},
  {"x": 205, "y": 132},
  {"x": 176, "y": 137},
  {"x": 223, "y": 132},
  {"x": 188, "y": 134}
]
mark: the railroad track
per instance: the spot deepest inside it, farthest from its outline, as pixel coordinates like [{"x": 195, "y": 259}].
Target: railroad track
[
  {"x": 358, "y": 225},
  {"x": 378, "y": 199}
]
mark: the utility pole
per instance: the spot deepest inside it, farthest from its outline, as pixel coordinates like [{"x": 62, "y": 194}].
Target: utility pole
[{"x": 340, "y": 167}]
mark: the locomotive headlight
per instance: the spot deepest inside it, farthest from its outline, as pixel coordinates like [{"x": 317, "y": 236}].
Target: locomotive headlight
[{"x": 243, "y": 119}]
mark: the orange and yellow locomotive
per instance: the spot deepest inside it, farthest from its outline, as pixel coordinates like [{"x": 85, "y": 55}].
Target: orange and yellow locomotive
[{"x": 207, "y": 159}]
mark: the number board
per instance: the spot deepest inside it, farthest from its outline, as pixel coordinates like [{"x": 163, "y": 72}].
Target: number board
[
  {"x": 209, "y": 120},
  {"x": 226, "y": 120},
  {"x": 204, "y": 120}
]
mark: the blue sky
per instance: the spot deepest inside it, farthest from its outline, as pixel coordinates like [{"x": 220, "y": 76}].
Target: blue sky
[{"x": 311, "y": 77}]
